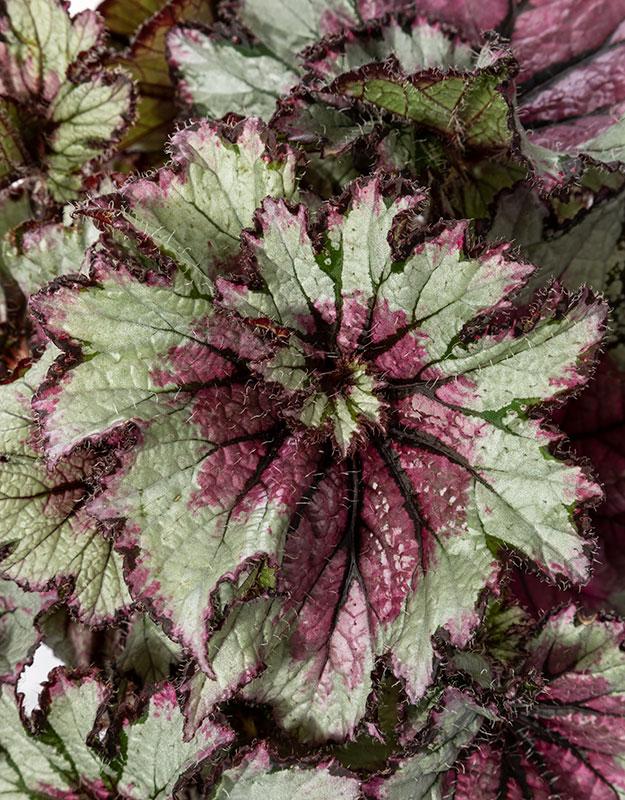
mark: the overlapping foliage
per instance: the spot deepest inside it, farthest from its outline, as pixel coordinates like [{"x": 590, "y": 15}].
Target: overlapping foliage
[{"x": 310, "y": 435}]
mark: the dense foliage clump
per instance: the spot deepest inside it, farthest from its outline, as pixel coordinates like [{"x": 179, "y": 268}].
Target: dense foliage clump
[{"x": 313, "y": 399}]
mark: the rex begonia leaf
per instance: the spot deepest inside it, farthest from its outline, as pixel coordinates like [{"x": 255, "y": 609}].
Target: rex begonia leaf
[
  {"x": 435, "y": 83},
  {"x": 86, "y": 119},
  {"x": 56, "y": 759},
  {"x": 588, "y": 250},
  {"x": 40, "y": 42},
  {"x": 146, "y": 60},
  {"x": 196, "y": 210},
  {"x": 18, "y": 634},
  {"x": 57, "y": 119},
  {"x": 156, "y": 756},
  {"x": 236, "y": 653},
  {"x": 342, "y": 397},
  {"x": 46, "y": 531},
  {"x": 413, "y": 68},
  {"x": 422, "y": 776},
  {"x": 256, "y": 778},
  {"x": 564, "y": 739},
  {"x": 572, "y": 87},
  {"x": 424, "y": 50},
  {"x": 595, "y": 425},
  {"x": 54, "y": 765},
  {"x": 416, "y": 44},
  {"x": 37, "y": 253},
  {"x": 285, "y": 31},
  {"x": 218, "y": 74},
  {"x": 147, "y": 652},
  {"x": 441, "y": 90}
]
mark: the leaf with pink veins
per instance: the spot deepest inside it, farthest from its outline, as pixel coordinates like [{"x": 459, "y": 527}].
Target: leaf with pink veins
[{"x": 381, "y": 512}]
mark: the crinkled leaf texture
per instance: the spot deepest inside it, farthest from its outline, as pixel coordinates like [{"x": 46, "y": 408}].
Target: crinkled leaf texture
[
  {"x": 431, "y": 79},
  {"x": 37, "y": 252},
  {"x": 571, "y": 86},
  {"x": 218, "y": 74},
  {"x": 416, "y": 69},
  {"x": 569, "y": 741},
  {"x": 257, "y": 778},
  {"x": 47, "y": 534},
  {"x": 333, "y": 412},
  {"x": 67, "y": 121},
  {"x": 445, "y": 95},
  {"x": 57, "y": 760}
]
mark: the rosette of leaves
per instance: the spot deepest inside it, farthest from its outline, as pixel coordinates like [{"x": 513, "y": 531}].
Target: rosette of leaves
[
  {"x": 548, "y": 723},
  {"x": 456, "y": 102},
  {"x": 71, "y": 751},
  {"x": 330, "y": 443},
  {"x": 569, "y": 91},
  {"x": 61, "y": 112}
]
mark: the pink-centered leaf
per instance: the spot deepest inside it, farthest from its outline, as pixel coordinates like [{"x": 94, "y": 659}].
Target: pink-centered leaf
[
  {"x": 340, "y": 418},
  {"x": 61, "y": 111},
  {"x": 564, "y": 735}
]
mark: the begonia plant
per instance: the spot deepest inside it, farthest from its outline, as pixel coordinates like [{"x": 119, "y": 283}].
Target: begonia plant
[{"x": 312, "y": 399}]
